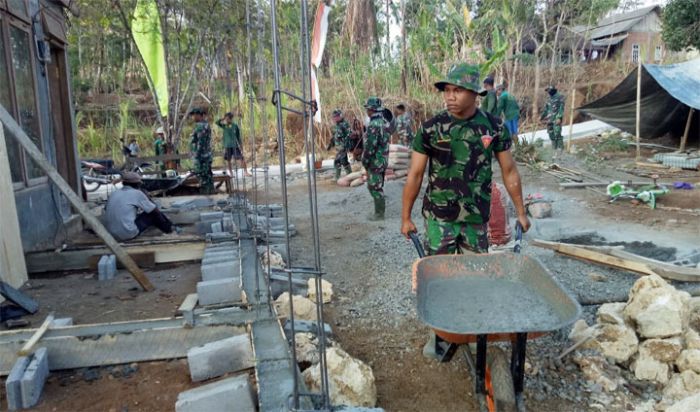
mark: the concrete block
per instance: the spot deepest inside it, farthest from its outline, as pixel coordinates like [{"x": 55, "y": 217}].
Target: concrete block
[
  {"x": 228, "y": 252},
  {"x": 217, "y": 227},
  {"x": 221, "y": 357},
  {"x": 203, "y": 228},
  {"x": 230, "y": 259},
  {"x": 61, "y": 322},
  {"x": 34, "y": 378},
  {"x": 211, "y": 216},
  {"x": 213, "y": 292},
  {"x": 13, "y": 387},
  {"x": 107, "y": 267},
  {"x": 226, "y": 244},
  {"x": 230, "y": 394},
  {"x": 219, "y": 237},
  {"x": 220, "y": 270}
]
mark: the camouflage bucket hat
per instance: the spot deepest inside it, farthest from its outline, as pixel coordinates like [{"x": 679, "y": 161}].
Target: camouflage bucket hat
[
  {"x": 374, "y": 103},
  {"x": 337, "y": 113},
  {"x": 463, "y": 75}
]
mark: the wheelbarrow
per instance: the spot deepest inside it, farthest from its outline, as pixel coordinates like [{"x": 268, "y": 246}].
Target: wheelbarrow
[{"x": 482, "y": 298}]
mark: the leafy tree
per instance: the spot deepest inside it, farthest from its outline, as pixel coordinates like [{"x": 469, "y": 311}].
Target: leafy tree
[{"x": 681, "y": 25}]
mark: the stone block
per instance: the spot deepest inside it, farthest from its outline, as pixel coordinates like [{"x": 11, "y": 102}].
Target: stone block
[
  {"x": 228, "y": 225},
  {"x": 221, "y": 357},
  {"x": 230, "y": 394},
  {"x": 214, "y": 292},
  {"x": 216, "y": 227},
  {"x": 34, "y": 378},
  {"x": 13, "y": 387},
  {"x": 228, "y": 257},
  {"x": 203, "y": 228},
  {"x": 220, "y": 270},
  {"x": 219, "y": 237}
]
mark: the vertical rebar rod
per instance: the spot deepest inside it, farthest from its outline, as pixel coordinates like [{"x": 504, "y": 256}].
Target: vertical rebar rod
[
  {"x": 253, "y": 158},
  {"x": 283, "y": 184},
  {"x": 307, "y": 93}
]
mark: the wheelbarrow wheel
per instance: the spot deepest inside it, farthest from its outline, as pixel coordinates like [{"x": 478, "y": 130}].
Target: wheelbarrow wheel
[{"x": 499, "y": 383}]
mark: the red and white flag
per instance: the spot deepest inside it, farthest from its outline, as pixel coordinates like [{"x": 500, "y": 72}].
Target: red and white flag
[{"x": 318, "y": 43}]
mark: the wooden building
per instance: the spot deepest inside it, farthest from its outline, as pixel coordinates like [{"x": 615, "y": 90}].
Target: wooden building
[
  {"x": 630, "y": 36},
  {"x": 34, "y": 89}
]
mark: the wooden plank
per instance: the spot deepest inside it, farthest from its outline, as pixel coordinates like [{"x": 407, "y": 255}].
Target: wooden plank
[
  {"x": 79, "y": 259},
  {"x": 684, "y": 139},
  {"x": 595, "y": 256},
  {"x": 33, "y": 152},
  {"x": 638, "y": 109},
  {"x": 70, "y": 352},
  {"x": 651, "y": 165},
  {"x": 28, "y": 347},
  {"x": 13, "y": 269},
  {"x": 143, "y": 259},
  {"x": 186, "y": 309},
  {"x": 18, "y": 298}
]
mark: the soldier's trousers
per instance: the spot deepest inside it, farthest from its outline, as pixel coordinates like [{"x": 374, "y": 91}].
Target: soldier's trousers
[
  {"x": 341, "y": 160},
  {"x": 554, "y": 131},
  {"x": 205, "y": 175},
  {"x": 375, "y": 183},
  {"x": 443, "y": 238}
]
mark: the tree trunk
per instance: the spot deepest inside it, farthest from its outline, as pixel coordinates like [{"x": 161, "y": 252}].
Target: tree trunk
[
  {"x": 360, "y": 27},
  {"x": 404, "y": 58}
]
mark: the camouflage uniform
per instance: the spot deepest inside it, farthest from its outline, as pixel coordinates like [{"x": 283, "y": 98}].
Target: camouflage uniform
[
  {"x": 342, "y": 143},
  {"x": 489, "y": 102},
  {"x": 404, "y": 129},
  {"x": 375, "y": 156},
  {"x": 553, "y": 113},
  {"x": 457, "y": 202},
  {"x": 201, "y": 146}
]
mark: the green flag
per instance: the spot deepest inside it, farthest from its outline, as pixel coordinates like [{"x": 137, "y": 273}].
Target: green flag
[{"x": 145, "y": 27}]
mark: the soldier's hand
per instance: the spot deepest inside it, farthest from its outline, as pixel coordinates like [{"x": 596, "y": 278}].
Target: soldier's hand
[
  {"x": 407, "y": 227},
  {"x": 524, "y": 222}
]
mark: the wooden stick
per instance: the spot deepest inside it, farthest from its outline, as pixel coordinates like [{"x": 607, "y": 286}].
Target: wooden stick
[
  {"x": 639, "y": 105},
  {"x": 651, "y": 165},
  {"x": 16, "y": 132},
  {"x": 29, "y": 345},
  {"x": 571, "y": 120},
  {"x": 687, "y": 129}
]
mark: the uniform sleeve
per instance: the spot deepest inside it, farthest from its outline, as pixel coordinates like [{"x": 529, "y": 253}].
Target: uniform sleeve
[
  {"x": 221, "y": 125},
  {"x": 502, "y": 140},
  {"x": 143, "y": 203},
  {"x": 421, "y": 141}
]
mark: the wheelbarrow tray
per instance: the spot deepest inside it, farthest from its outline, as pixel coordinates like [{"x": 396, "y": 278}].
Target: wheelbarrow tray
[{"x": 491, "y": 294}]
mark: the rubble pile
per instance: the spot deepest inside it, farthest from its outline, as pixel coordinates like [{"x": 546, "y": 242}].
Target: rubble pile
[{"x": 652, "y": 339}]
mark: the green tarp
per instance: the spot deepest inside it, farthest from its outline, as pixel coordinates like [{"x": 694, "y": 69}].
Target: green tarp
[{"x": 145, "y": 27}]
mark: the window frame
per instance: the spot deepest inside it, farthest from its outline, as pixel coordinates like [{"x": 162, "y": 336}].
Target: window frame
[
  {"x": 658, "y": 53},
  {"x": 635, "y": 53},
  {"x": 8, "y": 22}
]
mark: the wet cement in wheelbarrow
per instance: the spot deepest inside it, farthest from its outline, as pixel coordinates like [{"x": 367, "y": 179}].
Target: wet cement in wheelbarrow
[{"x": 471, "y": 305}]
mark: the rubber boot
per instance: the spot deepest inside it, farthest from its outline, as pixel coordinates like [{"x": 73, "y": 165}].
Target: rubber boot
[
  {"x": 379, "y": 208},
  {"x": 337, "y": 175}
]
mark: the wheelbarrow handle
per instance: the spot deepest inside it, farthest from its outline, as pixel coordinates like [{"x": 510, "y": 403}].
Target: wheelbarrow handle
[
  {"x": 417, "y": 244},
  {"x": 518, "y": 237}
]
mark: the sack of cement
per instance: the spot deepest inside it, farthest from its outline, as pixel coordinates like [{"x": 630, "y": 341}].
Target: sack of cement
[{"x": 357, "y": 182}]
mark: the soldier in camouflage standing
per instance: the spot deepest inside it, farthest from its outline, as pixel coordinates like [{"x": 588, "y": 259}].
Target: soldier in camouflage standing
[
  {"x": 342, "y": 143},
  {"x": 200, "y": 144},
  {"x": 459, "y": 145},
  {"x": 554, "y": 113},
  {"x": 489, "y": 102},
  {"x": 375, "y": 156},
  {"x": 404, "y": 128}
]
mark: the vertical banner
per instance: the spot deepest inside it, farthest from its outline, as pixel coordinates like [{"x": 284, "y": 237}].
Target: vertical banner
[
  {"x": 145, "y": 27},
  {"x": 318, "y": 44}
]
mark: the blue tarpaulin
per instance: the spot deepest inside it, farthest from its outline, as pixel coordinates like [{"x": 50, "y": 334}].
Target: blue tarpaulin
[{"x": 668, "y": 93}]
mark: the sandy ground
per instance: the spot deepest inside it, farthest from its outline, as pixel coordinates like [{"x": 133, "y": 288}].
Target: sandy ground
[{"x": 373, "y": 316}]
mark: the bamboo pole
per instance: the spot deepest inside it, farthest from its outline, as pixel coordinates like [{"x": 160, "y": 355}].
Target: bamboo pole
[
  {"x": 571, "y": 119},
  {"x": 16, "y": 132},
  {"x": 639, "y": 98},
  {"x": 684, "y": 140}
]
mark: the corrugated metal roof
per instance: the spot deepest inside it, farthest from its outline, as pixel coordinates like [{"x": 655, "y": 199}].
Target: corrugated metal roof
[
  {"x": 620, "y": 23},
  {"x": 608, "y": 41}
]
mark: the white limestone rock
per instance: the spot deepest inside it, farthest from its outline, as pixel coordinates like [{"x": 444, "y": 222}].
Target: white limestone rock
[{"x": 350, "y": 380}]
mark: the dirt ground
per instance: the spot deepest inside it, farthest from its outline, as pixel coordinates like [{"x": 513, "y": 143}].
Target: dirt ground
[{"x": 373, "y": 313}]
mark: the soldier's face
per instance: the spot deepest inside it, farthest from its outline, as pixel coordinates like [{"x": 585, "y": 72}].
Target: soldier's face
[{"x": 458, "y": 100}]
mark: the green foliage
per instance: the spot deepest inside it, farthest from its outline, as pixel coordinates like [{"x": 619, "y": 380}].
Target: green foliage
[{"x": 681, "y": 24}]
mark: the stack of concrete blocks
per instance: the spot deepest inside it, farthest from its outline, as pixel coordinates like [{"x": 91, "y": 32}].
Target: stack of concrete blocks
[
  {"x": 107, "y": 267},
  {"x": 216, "y": 222},
  {"x": 26, "y": 380},
  {"x": 221, "y": 275},
  {"x": 230, "y": 394}
]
